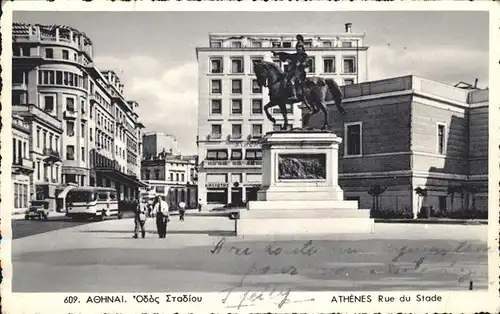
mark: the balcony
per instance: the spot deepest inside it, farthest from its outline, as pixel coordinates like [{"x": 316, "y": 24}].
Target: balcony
[
  {"x": 51, "y": 156},
  {"x": 232, "y": 163},
  {"x": 23, "y": 165},
  {"x": 19, "y": 87},
  {"x": 70, "y": 114},
  {"x": 38, "y": 114},
  {"x": 93, "y": 99}
]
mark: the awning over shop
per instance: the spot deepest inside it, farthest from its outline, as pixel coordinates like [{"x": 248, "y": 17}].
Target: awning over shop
[{"x": 120, "y": 177}]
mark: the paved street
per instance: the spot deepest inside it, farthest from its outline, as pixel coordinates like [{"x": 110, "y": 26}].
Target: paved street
[
  {"x": 24, "y": 228},
  {"x": 103, "y": 257}
]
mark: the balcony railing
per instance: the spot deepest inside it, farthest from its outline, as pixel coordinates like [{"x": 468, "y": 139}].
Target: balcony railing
[
  {"x": 38, "y": 113},
  {"x": 51, "y": 155},
  {"x": 19, "y": 86},
  {"x": 23, "y": 165},
  {"x": 70, "y": 114},
  {"x": 231, "y": 163}
]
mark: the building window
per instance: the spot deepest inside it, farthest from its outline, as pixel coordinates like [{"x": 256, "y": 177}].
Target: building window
[
  {"x": 182, "y": 177},
  {"x": 216, "y": 86},
  {"x": 83, "y": 130},
  {"x": 177, "y": 177},
  {"x": 276, "y": 44},
  {"x": 70, "y": 128},
  {"x": 349, "y": 65},
  {"x": 236, "y": 86},
  {"x": 82, "y": 151},
  {"x": 289, "y": 109},
  {"x": 353, "y": 135},
  {"x": 90, "y": 134},
  {"x": 329, "y": 65},
  {"x": 256, "y": 44},
  {"x": 287, "y": 44},
  {"x": 278, "y": 63},
  {"x": 44, "y": 140},
  {"x": 216, "y": 106},
  {"x": 171, "y": 177},
  {"x": 310, "y": 65},
  {"x": 237, "y": 65},
  {"x": 57, "y": 143},
  {"x": 236, "y": 44},
  {"x": 256, "y": 106},
  {"x": 216, "y": 44},
  {"x": 348, "y": 82},
  {"x": 217, "y": 154},
  {"x": 59, "y": 78},
  {"x": 216, "y": 131},
  {"x": 236, "y": 106},
  {"x": 276, "y": 127},
  {"x": 256, "y": 130},
  {"x": 255, "y": 60},
  {"x": 48, "y": 103},
  {"x": 70, "y": 104},
  {"x": 327, "y": 44},
  {"x": 256, "y": 88},
  {"x": 441, "y": 138},
  {"x": 236, "y": 154},
  {"x": 253, "y": 154},
  {"x": 216, "y": 65},
  {"x": 38, "y": 170},
  {"x": 49, "y": 53},
  {"x": 65, "y": 54},
  {"x": 347, "y": 44},
  {"x": 82, "y": 106},
  {"x": 308, "y": 44},
  {"x": 38, "y": 138},
  {"x": 70, "y": 152},
  {"x": 157, "y": 174},
  {"x": 236, "y": 131}
]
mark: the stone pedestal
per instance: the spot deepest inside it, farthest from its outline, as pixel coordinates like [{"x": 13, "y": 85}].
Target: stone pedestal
[{"x": 300, "y": 192}]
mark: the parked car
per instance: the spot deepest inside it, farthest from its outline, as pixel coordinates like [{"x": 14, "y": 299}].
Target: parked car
[{"x": 38, "y": 209}]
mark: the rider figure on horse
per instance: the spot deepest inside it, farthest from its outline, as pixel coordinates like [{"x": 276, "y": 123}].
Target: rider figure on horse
[{"x": 298, "y": 61}]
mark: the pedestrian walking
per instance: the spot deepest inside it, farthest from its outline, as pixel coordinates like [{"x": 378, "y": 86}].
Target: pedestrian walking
[
  {"x": 199, "y": 205},
  {"x": 140, "y": 219},
  {"x": 182, "y": 210},
  {"x": 162, "y": 217}
]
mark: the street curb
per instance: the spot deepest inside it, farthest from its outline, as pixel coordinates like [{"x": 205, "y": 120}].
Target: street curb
[{"x": 434, "y": 221}]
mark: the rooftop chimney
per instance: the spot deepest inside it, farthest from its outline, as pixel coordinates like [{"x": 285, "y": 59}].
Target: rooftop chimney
[
  {"x": 475, "y": 83},
  {"x": 348, "y": 27}
]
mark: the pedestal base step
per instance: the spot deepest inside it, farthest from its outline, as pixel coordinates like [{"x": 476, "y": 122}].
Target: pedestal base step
[
  {"x": 304, "y": 226},
  {"x": 305, "y": 213},
  {"x": 303, "y": 205}
]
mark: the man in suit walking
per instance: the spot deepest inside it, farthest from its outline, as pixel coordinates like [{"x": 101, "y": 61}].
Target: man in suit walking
[
  {"x": 140, "y": 219},
  {"x": 162, "y": 216}
]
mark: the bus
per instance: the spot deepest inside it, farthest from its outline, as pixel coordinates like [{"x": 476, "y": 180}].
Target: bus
[{"x": 92, "y": 202}]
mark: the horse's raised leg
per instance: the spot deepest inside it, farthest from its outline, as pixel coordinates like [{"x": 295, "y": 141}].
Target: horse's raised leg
[{"x": 266, "y": 110}]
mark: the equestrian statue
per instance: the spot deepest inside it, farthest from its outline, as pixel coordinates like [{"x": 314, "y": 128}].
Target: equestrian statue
[{"x": 293, "y": 87}]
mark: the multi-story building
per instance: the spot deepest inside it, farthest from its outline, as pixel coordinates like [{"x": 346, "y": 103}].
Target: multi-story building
[
  {"x": 406, "y": 133},
  {"x": 230, "y": 108},
  {"x": 155, "y": 143},
  {"x": 171, "y": 177},
  {"x": 22, "y": 165},
  {"x": 78, "y": 115}
]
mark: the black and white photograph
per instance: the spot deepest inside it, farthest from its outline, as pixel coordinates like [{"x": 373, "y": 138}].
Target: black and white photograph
[{"x": 249, "y": 160}]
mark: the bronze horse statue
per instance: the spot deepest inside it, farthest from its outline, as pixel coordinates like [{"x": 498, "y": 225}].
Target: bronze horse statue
[{"x": 314, "y": 92}]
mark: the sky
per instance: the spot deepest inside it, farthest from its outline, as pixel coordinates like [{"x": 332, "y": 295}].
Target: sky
[{"x": 154, "y": 52}]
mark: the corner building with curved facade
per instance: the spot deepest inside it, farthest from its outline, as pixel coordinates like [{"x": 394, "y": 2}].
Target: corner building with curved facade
[{"x": 83, "y": 130}]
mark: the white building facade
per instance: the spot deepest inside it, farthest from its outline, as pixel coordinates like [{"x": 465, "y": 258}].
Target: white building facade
[{"x": 231, "y": 117}]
